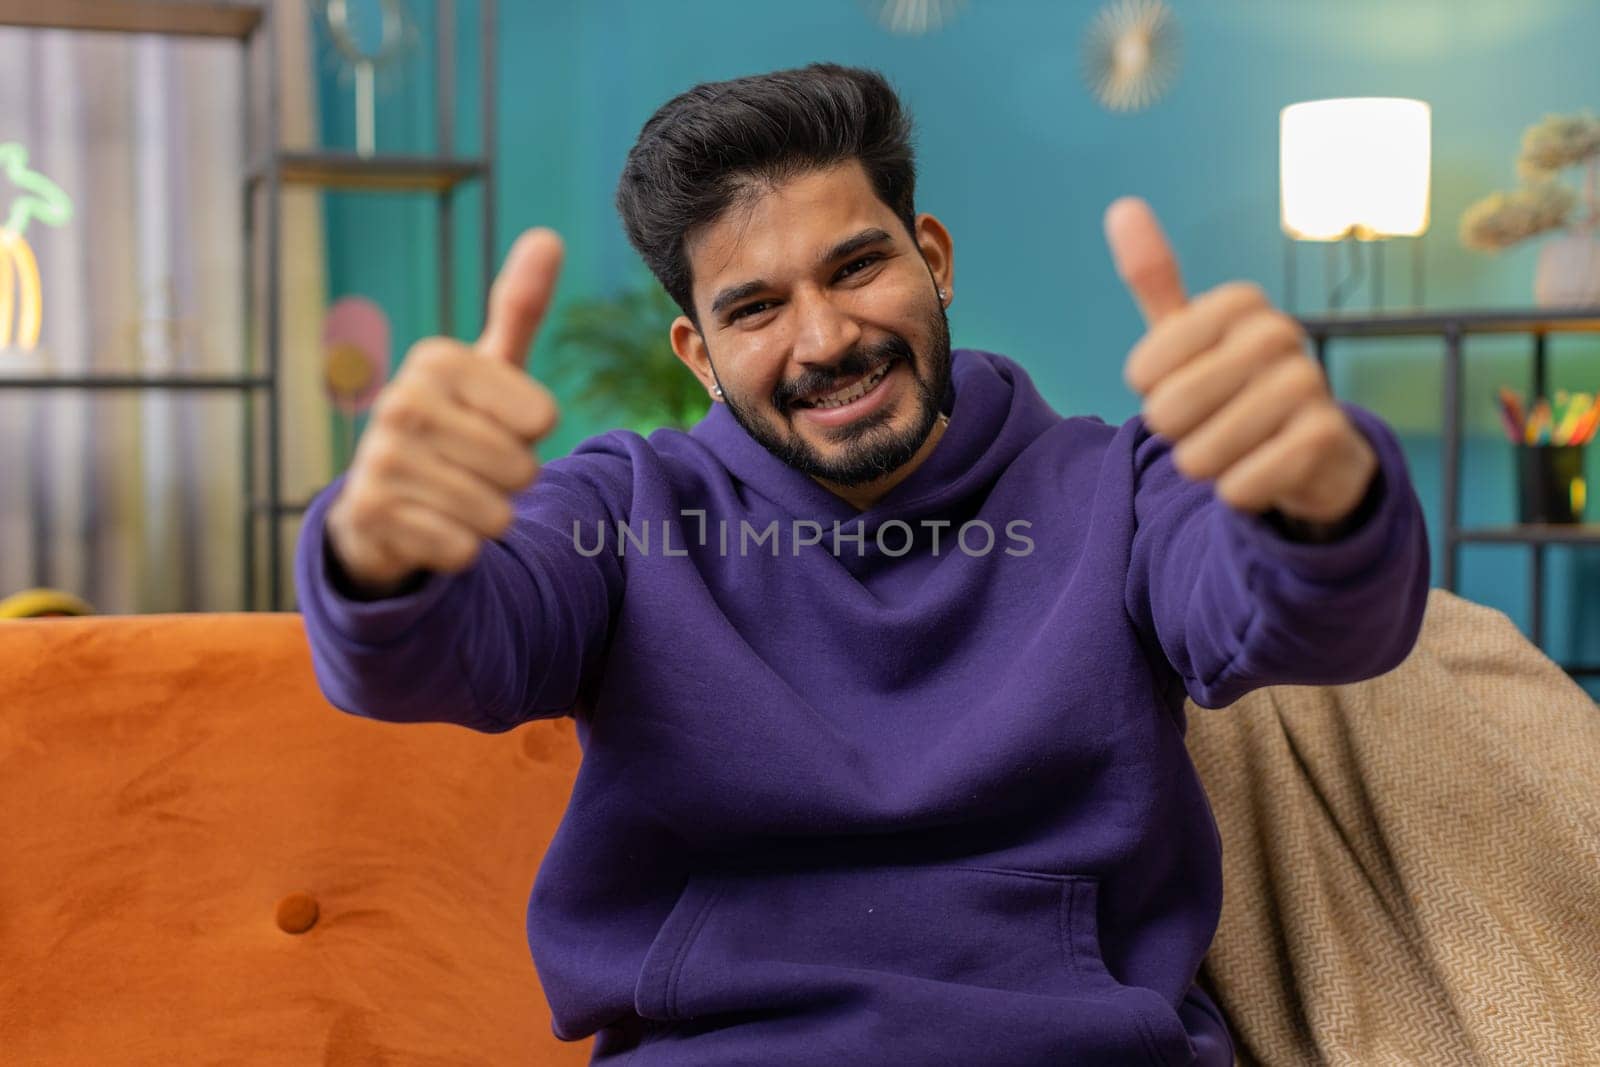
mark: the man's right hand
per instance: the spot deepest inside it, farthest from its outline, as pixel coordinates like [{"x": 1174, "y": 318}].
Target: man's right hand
[{"x": 451, "y": 439}]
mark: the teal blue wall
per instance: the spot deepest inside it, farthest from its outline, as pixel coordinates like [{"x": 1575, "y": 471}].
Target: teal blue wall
[{"x": 1019, "y": 162}]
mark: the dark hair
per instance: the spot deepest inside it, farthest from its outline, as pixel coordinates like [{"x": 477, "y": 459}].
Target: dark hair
[{"x": 718, "y": 142}]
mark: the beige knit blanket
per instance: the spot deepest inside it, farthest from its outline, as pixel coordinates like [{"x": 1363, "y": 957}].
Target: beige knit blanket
[{"x": 1411, "y": 864}]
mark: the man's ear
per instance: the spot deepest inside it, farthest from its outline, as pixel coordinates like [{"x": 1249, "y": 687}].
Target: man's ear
[
  {"x": 937, "y": 249},
  {"x": 690, "y": 347}
]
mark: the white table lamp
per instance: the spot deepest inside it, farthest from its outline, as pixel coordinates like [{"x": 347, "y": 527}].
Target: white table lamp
[{"x": 1354, "y": 168}]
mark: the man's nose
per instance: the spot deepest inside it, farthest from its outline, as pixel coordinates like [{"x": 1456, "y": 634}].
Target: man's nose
[{"x": 823, "y": 332}]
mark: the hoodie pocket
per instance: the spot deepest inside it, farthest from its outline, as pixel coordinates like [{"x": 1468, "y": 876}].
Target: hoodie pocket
[{"x": 941, "y": 963}]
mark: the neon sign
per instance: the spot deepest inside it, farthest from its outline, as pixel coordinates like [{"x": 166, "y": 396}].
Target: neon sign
[{"x": 21, "y": 300}]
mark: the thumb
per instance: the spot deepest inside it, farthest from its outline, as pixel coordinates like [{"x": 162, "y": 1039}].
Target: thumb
[
  {"x": 520, "y": 296},
  {"x": 1144, "y": 259}
]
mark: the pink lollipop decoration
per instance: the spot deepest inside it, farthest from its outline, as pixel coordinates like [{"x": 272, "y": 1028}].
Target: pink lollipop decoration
[{"x": 355, "y": 346}]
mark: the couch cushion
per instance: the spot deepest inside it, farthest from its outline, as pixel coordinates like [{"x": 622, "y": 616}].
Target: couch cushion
[
  {"x": 205, "y": 862},
  {"x": 1411, "y": 864}
]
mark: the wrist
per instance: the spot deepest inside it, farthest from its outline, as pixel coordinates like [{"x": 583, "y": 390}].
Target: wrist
[
  {"x": 350, "y": 587},
  {"x": 354, "y": 583},
  {"x": 1307, "y": 531}
]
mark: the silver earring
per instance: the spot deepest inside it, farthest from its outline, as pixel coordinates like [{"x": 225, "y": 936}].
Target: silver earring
[
  {"x": 944, "y": 294},
  {"x": 718, "y": 391}
]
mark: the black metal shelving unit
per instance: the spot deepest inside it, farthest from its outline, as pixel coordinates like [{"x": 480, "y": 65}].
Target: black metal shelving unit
[
  {"x": 1453, "y": 327},
  {"x": 270, "y": 168}
]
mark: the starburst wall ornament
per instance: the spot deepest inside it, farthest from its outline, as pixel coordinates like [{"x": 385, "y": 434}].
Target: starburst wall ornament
[
  {"x": 1130, "y": 53},
  {"x": 914, "y": 17}
]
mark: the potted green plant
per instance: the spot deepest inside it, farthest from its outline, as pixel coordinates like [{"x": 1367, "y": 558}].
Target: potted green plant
[
  {"x": 1569, "y": 266},
  {"x": 614, "y": 358}
]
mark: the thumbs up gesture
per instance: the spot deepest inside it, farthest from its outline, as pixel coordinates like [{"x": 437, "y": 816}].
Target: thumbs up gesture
[
  {"x": 451, "y": 439},
  {"x": 1227, "y": 378}
]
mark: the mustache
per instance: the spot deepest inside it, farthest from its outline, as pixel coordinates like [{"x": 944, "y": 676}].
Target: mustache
[{"x": 856, "y": 363}]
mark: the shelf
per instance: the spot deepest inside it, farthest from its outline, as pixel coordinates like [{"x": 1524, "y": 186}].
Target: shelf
[
  {"x": 292, "y": 507},
  {"x": 1414, "y": 323},
  {"x": 346, "y": 170},
  {"x": 1452, "y": 327},
  {"x": 191, "y": 19},
  {"x": 246, "y": 22},
  {"x": 1533, "y": 534},
  {"x": 134, "y": 381},
  {"x": 285, "y": 507}
]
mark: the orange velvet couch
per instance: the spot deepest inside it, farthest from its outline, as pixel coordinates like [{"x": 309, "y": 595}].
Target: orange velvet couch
[{"x": 204, "y": 862}]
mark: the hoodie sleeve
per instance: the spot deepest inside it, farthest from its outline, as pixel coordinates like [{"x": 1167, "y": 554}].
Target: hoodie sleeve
[
  {"x": 511, "y": 638},
  {"x": 1234, "y": 604}
]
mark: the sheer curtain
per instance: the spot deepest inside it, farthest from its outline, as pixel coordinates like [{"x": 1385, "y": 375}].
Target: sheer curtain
[{"x": 134, "y": 500}]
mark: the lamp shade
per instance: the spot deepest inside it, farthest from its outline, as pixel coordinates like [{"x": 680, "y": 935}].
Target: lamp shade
[{"x": 1356, "y": 167}]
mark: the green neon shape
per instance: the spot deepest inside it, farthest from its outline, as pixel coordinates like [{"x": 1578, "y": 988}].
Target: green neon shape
[{"x": 48, "y": 203}]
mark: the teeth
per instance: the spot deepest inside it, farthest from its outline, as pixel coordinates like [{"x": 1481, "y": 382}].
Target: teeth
[{"x": 855, "y": 392}]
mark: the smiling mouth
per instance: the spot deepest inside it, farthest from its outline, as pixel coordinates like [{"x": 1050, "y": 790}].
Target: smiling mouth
[{"x": 838, "y": 398}]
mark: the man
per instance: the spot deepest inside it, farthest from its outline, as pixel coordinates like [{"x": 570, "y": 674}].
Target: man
[{"x": 880, "y": 669}]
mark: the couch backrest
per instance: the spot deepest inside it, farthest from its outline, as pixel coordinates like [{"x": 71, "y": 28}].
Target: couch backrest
[{"x": 205, "y": 862}]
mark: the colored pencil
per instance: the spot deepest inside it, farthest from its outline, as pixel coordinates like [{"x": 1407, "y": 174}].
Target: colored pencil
[
  {"x": 1585, "y": 428},
  {"x": 1513, "y": 403},
  {"x": 1535, "y": 425},
  {"x": 1512, "y": 427},
  {"x": 1565, "y": 417}
]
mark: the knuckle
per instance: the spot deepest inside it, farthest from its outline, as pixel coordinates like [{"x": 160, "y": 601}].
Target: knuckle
[
  {"x": 1130, "y": 372},
  {"x": 1133, "y": 369},
  {"x": 1275, "y": 331},
  {"x": 1328, "y": 425},
  {"x": 1230, "y": 493},
  {"x": 540, "y": 412},
  {"x": 462, "y": 550},
  {"x": 364, "y": 509},
  {"x": 384, "y": 458},
  {"x": 406, "y": 413},
  {"x": 552, "y": 414},
  {"x": 499, "y": 516},
  {"x": 525, "y": 469},
  {"x": 1245, "y": 293},
  {"x": 1307, "y": 376},
  {"x": 432, "y": 352},
  {"x": 1154, "y": 412},
  {"x": 1184, "y": 459},
  {"x": 385, "y": 400},
  {"x": 444, "y": 549}
]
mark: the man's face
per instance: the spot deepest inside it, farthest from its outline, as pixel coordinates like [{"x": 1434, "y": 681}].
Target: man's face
[{"x": 810, "y": 288}]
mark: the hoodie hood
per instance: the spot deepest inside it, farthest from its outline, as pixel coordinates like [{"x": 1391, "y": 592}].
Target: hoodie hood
[{"x": 995, "y": 413}]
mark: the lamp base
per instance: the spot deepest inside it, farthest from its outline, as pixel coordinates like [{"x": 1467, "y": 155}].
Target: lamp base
[{"x": 1360, "y": 267}]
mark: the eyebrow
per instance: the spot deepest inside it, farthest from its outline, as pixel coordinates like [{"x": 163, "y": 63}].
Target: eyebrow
[{"x": 735, "y": 293}]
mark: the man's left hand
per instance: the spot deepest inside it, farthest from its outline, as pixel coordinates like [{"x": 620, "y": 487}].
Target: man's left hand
[{"x": 1228, "y": 380}]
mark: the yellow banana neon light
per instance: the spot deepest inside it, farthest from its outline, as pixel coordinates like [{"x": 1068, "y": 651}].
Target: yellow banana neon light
[
  {"x": 19, "y": 270},
  {"x": 17, "y": 256}
]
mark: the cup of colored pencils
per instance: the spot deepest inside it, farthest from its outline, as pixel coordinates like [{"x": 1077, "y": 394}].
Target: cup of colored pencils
[{"x": 1549, "y": 440}]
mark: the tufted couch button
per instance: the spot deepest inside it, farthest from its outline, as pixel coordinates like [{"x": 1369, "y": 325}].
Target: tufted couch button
[
  {"x": 548, "y": 740},
  {"x": 538, "y": 742},
  {"x": 297, "y": 913}
]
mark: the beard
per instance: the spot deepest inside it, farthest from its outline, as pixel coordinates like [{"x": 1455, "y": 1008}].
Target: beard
[{"x": 869, "y": 447}]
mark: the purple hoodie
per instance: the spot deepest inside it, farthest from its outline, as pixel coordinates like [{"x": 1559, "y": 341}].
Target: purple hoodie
[{"x": 917, "y": 795}]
